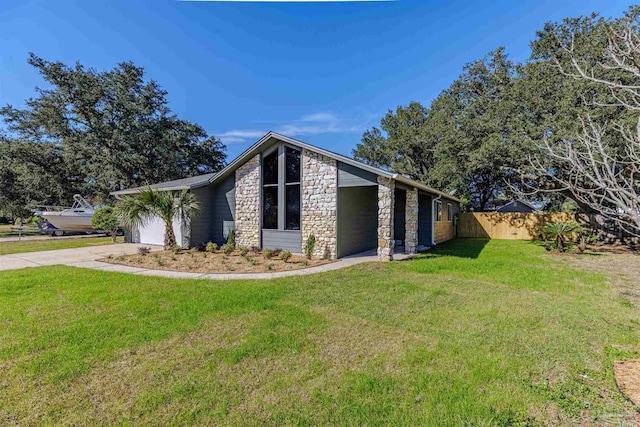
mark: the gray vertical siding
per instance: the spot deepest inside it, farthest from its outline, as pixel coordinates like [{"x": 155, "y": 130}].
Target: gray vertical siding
[
  {"x": 288, "y": 240},
  {"x": 350, "y": 176},
  {"x": 357, "y": 219},
  {"x": 399, "y": 209},
  {"x": 201, "y": 224},
  {"x": 425, "y": 223},
  {"x": 224, "y": 209}
]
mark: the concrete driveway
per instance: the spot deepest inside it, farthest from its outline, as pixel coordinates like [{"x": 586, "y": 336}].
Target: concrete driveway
[{"x": 76, "y": 257}]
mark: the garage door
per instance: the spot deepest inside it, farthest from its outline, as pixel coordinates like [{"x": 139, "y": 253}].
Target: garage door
[{"x": 152, "y": 233}]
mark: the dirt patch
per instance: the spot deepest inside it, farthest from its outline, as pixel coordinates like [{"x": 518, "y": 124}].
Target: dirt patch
[
  {"x": 214, "y": 262},
  {"x": 628, "y": 379}
]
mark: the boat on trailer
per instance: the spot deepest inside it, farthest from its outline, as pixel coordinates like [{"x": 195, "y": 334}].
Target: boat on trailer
[{"x": 77, "y": 218}]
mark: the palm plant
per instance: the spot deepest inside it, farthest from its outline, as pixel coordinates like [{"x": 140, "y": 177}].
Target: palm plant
[
  {"x": 560, "y": 232},
  {"x": 137, "y": 210}
]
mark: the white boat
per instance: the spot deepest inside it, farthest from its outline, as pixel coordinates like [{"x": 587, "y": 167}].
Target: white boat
[{"x": 76, "y": 218}]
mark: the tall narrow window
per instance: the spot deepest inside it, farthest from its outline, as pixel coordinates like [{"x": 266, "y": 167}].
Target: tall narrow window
[
  {"x": 438, "y": 211},
  {"x": 270, "y": 191},
  {"x": 449, "y": 212},
  {"x": 292, "y": 188}
]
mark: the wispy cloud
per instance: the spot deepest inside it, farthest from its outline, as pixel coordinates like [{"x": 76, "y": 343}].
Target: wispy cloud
[{"x": 309, "y": 124}]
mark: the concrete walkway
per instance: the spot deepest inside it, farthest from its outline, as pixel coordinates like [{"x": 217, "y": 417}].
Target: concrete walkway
[{"x": 89, "y": 257}]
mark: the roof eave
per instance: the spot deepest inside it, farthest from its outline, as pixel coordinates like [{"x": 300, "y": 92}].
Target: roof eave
[
  {"x": 137, "y": 190},
  {"x": 421, "y": 186}
]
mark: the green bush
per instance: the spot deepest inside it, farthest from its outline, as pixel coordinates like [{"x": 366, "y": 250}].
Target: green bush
[
  {"x": 243, "y": 251},
  {"x": 309, "y": 245},
  {"x": 267, "y": 253},
  {"x": 106, "y": 219},
  {"x": 211, "y": 247},
  {"x": 227, "y": 249},
  {"x": 285, "y": 255}
]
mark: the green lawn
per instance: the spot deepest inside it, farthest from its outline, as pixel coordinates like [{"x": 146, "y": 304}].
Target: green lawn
[
  {"x": 479, "y": 333},
  {"x": 49, "y": 245}
]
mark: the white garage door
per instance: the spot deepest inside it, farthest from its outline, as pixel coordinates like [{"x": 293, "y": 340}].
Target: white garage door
[{"x": 152, "y": 233}]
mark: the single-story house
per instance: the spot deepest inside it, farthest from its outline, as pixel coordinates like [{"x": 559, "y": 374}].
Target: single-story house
[{"x": 280, "y": 191}]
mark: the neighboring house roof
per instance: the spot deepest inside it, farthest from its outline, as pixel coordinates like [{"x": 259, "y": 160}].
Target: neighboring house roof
[
  {"x": 203, "y": 180},
  {"x": 513, "y": 204}
]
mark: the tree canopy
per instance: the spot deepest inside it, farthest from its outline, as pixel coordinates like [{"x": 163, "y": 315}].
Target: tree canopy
[
  {"x": 496, "y": 129},
  {"x": 94, "y": 132},
  {"x": 465, "y": 141}
]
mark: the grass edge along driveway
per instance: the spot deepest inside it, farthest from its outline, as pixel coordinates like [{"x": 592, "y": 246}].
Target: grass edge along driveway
[
  {"x": 7, "y": 248},
  {"x": 477, "y": 333}
]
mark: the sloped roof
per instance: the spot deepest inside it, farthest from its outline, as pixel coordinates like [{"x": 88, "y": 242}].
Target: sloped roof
[{"x": 270, "y": 137}]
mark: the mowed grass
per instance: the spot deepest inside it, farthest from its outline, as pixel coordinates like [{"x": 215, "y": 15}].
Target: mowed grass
[
  {"x": 476, "y": 333},
  {"x": 7, "y": 248}
]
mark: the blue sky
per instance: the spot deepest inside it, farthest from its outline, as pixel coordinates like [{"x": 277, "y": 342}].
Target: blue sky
[{"x": 322, "y": 73}]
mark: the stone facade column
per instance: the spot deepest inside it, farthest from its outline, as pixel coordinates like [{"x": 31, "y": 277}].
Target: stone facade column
[
  {"x": 319, "y": 214},
  {"x": 411, "y": 222},
  {"x": 247, "y": 221},
  {"x": 386, "y": 189}
]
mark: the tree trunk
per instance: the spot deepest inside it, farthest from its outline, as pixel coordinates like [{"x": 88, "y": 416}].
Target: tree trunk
[
  {"x": 114, "y": 233},
  {"x": 560, "y": 243},
  {"x": 169, "y": 236}
]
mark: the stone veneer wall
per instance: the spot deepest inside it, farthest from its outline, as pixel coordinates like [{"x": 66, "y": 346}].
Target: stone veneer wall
[
  {"x": 386, "y": 188},
  {"x": 411, "y": 222},
  {"x": 247, "y": 223},
  {"x": 319, "y": 203}
]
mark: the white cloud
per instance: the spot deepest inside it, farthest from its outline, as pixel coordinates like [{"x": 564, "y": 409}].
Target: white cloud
[{"x": 309, "y": 124}]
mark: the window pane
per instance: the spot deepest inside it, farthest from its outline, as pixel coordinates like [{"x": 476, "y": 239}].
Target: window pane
[
  {"x": 293, "y": 165},
  {"x": 449, "y": 215},
  {"x": 270, "y": 168},
  {"x": 438, "y": 211},
  {"x": 270, "y": 207},
  {"x": 293, "y": 207}
]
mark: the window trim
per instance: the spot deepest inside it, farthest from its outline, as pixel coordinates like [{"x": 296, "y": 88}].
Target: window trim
[
  {"x": 449, "y": 212},
  {"x": 438, "y": 211}
]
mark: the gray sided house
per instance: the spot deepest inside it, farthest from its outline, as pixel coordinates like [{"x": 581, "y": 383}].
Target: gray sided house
[{"x": 281, "y": 191}]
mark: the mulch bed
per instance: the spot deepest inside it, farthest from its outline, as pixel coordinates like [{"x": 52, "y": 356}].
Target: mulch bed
[{"x": 213, "y": 262}]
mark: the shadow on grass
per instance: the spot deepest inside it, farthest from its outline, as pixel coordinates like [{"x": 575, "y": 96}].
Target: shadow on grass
[{"x": 460, "y": 247}]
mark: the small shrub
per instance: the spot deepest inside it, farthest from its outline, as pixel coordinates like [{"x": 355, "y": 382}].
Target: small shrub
[
  {"x": 276, "y": 252},
  {"x": 256, "y": 249},
  {"x": 201, "y": 247},
  {"x": 243, "y": 251},
  {"x": 226, "y": 249},
  {"x": 309, "y": 245},
  {"x": 160, "y": 262},
  {"x": 253, "y": 262},
  {"x": 211, "y": 247},
  {"x": 231, "y": 240},
  {"x": 305, "y": 262},
  {"x": 173, "y": 258},
  {"x": 285, "y": 255},
  {"x": 120, "y": 258},
  {"x": 270, "y": 266},
  {"x": 176, "y": 249},
  {"x": 143, "y": 250},
  {"x": 267, "y": 253}
]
